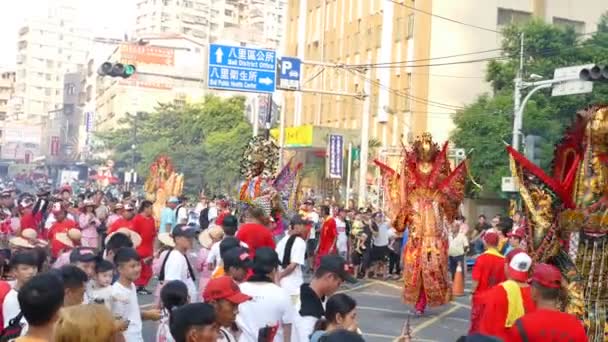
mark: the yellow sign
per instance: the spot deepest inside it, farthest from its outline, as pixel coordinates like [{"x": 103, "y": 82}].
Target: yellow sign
[{"x": 295, "y": 136}]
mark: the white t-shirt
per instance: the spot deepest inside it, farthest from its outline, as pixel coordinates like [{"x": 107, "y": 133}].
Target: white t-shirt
[
  {"x": 182, "y": 215},
  {"x": 96, "y": 294},
  {"x": 270, "y": 299},
  {"x": 225, "y": 336},
  {"x": 11, "y": 308},
  {"x": 314, "y": 218},
  {"x": 176, "y": 268},
  {"x": 381, "y": 239},
  {"x": 294, "y": 280},
  {"x": 342, "y": 240},
  {"x": 126, "y": 306},
  {"x": 214, "y": 255}
]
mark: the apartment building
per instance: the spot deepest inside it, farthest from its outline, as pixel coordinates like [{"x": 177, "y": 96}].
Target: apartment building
[
  {"x": 48, "y": 48},
  {"x": 207, "y": 20},
  {"x": 7, "y": 90},
  {"x": 406, "y": 99}
]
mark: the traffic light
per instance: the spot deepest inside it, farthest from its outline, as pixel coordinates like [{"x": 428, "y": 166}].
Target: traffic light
[
  {"x": 532, "y": 148},
  {"x": 116, "y": 70},
  {"x": 595, "y": 73}
]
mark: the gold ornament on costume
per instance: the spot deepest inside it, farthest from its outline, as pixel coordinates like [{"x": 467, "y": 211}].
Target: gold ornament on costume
[{"x": 163, "y": 183}]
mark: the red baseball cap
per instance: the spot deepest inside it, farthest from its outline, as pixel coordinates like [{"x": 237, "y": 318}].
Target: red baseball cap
[
  {"x": 512, "y": 253},
  {"x": 519, "y": 266},
  {"x": 547, "y": 276},
  {"x": 224, "y": 288},
  {"x": 518, "y": 233},
  {"x": 491, "y": 238}
]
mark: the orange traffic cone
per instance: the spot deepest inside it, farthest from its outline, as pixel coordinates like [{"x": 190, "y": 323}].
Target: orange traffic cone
[{"x": 458, "y": 284}]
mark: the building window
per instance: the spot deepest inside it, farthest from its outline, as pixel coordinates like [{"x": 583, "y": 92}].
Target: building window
[
  {"x": 410, "y": 26},
  {"x": 228, "y": 13},
  {"x": 507, "y": 17},
  {"x": 577, "y": 26},
  {"x": 70, "y": 89}
]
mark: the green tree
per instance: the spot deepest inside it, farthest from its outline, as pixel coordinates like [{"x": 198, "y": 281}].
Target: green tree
[
  {"x": 205, "y": 141},
  {"x": 487, "y": 123}
]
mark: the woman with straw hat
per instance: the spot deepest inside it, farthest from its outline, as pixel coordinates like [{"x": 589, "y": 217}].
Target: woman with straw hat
[
  {"x": 166, "y": 243},
  {"x": 88, "y": 224},
  {"x": 206, "y": 238},
  {"x": 28, "y": 239},
  {"x": 70, "y": 240}
]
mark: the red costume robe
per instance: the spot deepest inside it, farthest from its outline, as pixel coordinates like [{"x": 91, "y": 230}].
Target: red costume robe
[
  {"x": 327, "y": 240},
  {"x": 146, "y": 228},
  {"x": 549, "y": 325},
  {"x": 59, "y": 227},
  {"x": 500, "y": 308},
  {"x": 489, "y": 271}
]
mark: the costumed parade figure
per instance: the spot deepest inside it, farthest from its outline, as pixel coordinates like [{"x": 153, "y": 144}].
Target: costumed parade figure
[
  {"x": 163, "y": 183},
  {"x": 567, "y": 215},
  {"x": 424, "y": 195},
  {"x": 263, "y": 187}
]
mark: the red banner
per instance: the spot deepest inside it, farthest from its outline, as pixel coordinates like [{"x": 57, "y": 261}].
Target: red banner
[
  {"x": 144, "y": 54},
  {"x": 55, "y": 146}
]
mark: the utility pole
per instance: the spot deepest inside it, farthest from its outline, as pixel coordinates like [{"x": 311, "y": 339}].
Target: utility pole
[
  {"x": 517, "y": 119},
  {"x": 364, "y": 140}
]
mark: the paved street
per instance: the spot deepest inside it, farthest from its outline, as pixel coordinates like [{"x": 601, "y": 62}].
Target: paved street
[{"x": 382, "y": 314}]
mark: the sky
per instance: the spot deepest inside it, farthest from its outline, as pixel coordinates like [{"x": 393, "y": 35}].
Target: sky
[{"x": 111, "y": 17}]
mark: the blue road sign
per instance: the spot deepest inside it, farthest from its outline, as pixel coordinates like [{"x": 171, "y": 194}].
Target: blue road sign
[
  {"x": 290, "y": 68},
  {"x": 242, "y": 68}
]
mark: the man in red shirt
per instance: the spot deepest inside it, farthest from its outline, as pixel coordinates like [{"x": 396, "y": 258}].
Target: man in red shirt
[
  {"x": 488, "y": 271},
  {"x": 27, "y": 218},
  {"x": 505, "y": 303},
  {"x": 327, "y": 236},
  {"x": 547, "y": 323},
  {"x": 144, "y": 225},
  {"x": 126, "y": 221},
  {"x": 254, "y": 232},
  {"x": 61, "y": 225}
]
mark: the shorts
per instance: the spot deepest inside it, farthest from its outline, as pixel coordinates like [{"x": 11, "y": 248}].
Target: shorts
[
  {"x": 356, "y": 258},
  {"x": 311, "y": 247},
  {"x": 379, "y": 253}
]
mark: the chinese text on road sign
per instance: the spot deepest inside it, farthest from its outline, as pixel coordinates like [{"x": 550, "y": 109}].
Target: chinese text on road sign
[
  {"x": 290, "y": 73},
  {"x": 242, "y": 68}
]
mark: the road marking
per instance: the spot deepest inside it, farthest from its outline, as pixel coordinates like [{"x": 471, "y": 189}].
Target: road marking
[
  {"x": 374, "y": 294},
  {"x": 147, "y": 306},
  {"x": 461, "y": 305},
  {"x": 458, "y": 319},
  {"x": 435, "y": 319},
  {"x": 359, "y": 287},
  {"x": 388, "y": 337},
  {"x": 371, "y": 308}
]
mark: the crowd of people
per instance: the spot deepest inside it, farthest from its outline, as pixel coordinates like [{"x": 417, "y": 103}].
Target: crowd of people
[{"x": 74, "y": 268}]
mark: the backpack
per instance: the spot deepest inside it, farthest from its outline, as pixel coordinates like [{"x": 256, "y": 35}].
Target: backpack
[
  {"x": 5, "y": 288},
  {"x": 13, "y": 330}
]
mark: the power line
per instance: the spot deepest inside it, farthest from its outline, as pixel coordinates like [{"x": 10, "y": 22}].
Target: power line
[
  {"x": 408, "y": 96},
  {"x": 444, "y": 18},
  {"x": 433, "y": 58}
]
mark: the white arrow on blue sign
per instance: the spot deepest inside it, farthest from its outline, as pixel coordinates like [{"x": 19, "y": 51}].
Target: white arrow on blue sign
[{"x": 241, "y": 68}]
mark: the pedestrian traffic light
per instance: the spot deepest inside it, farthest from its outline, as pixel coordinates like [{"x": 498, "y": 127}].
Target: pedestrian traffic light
[
  {"x": 595, "y": 73},
  {"x": 116, "y": 70},
  {"x": 532, "y": 148}
]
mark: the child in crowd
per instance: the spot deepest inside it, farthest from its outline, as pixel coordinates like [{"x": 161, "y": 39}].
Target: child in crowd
[
  {"x": 173, "y": 295},
  {"x": 125, "y": 304},
  {"x": 207, "y": 239},
  {"x": 101, "y": 291}
]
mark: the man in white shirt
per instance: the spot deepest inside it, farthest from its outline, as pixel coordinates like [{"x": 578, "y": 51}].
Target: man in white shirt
[
  {"x": 24, "y": 267},
  {"x": 458, "y": 246},
  {"x": 308, "y": 212},
  {"x": 176, "y": 265},
  {"x": 270, "y": 306},
  {"x": 292, "y": 255}
]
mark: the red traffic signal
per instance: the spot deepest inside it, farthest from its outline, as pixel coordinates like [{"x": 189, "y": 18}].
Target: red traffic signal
[{"x": 116, "y": 70}]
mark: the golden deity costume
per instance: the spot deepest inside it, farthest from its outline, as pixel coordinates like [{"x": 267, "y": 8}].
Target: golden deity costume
[
  {"x": 424, "y": 196},
  {"x": 568, "y": 215},
  {"x": 162, "y": 183}
]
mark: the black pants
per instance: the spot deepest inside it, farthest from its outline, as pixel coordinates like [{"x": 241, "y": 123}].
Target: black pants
[
  {"x": 453, "y": 264},
  {"x": 394, "y": 258}
]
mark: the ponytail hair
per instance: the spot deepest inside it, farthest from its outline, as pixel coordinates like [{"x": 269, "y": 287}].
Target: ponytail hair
[{"x": 173, "y": 294}]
